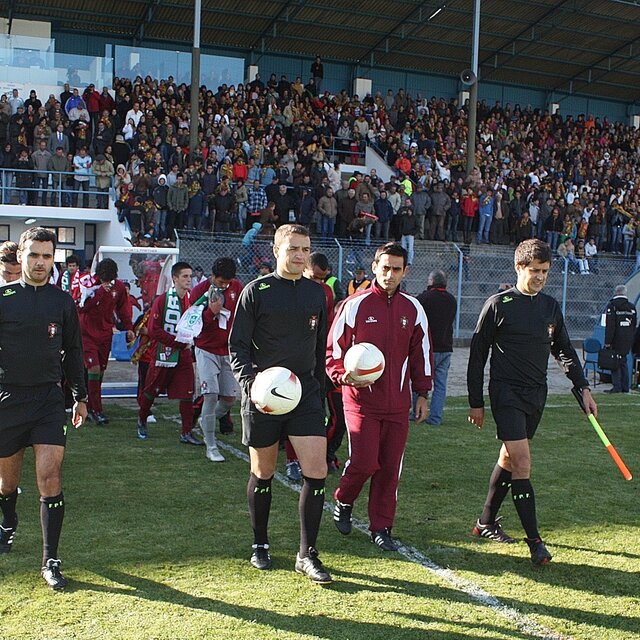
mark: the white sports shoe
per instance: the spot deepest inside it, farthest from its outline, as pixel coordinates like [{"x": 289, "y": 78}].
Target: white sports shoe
[
  {"x": 214, "y": 454},
  {"x": 151, "y": 419}
]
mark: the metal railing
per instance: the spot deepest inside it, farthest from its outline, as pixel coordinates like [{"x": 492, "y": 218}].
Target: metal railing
[
  {"x": 473, "y": 273},
  {"x": 51, "y": 189}
]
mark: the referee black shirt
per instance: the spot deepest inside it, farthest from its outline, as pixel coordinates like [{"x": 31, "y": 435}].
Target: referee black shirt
[
  {"x": 521, "y": 330},
  {"x": 279, "y": 323},
  {"x": 39, "y": 338}
]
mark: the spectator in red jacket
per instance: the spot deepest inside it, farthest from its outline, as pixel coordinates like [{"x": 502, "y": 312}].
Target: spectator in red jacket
[{"x": 377, "y": 414}]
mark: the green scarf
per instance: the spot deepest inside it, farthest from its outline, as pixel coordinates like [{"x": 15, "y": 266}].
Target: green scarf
[{"x": 168, "y": 356}]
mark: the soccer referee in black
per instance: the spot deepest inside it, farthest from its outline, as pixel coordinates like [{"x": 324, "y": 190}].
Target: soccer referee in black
[
  {"x": 281, "y": 320},
  {"x": 39, "y": 340},
  {"x": 520, "y": 326}
]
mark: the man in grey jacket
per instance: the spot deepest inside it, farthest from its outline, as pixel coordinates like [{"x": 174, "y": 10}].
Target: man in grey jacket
[
  {"x": 440, "y": 204},
  {"x": 421, "y": 204},
  {"x": 40, "y": 158}
]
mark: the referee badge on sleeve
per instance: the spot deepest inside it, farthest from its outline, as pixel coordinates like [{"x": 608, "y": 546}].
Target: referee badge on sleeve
[
  {"x": 313, "y": 322},
  {"x": 53, "y": 330},
  {"x": 550, "y": 330}
]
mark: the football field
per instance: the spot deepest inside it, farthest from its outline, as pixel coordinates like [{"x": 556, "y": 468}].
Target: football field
[{"x": 157, "y": 540}]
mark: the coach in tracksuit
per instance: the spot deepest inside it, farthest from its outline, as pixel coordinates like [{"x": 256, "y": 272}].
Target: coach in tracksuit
[{"x": 377, "y": 414}]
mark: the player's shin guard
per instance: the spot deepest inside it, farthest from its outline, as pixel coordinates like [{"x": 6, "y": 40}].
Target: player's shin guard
[
  {"x": 525, "y": 503},
  {"x": 310, "y": 506},
  {"x": 145, "y": 403},
  {"x": 499, "y": 485},
  {"x": 186, "y": 416},
  {"x": 8, "y": 508},
  {"x": 51, "y": 517},
  {"x": 95, "y": 392},
  {"x": 223, "y": 407},
  {"x": 208, "y": 418},
  {"x": 259, "y": 499}
]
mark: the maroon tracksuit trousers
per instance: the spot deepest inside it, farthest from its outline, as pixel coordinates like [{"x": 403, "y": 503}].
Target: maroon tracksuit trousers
[{"x": 376, "y": 449}]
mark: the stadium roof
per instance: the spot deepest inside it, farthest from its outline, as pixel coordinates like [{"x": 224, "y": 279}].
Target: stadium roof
[{"x": 586, "y": 47}]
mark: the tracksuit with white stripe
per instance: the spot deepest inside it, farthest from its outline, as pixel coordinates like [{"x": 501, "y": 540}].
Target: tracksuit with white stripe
[{"x": 377, "y": 416}]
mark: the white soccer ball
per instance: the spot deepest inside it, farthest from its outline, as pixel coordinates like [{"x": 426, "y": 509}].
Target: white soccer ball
[
  {"x": 276, "y": 391},
  {"x": 364, "y": 362}
]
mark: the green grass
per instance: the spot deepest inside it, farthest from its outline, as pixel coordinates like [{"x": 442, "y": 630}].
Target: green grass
[{"x": 157, "y": 538}]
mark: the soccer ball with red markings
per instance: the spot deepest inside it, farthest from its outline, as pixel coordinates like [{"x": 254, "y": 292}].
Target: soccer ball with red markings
[
  {"x": 364, "y": 362},
  {"x": 276, "y": 391}
]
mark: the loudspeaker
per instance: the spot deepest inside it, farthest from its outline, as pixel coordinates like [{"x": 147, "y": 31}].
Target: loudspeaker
[{"x": 468, "y": 78}]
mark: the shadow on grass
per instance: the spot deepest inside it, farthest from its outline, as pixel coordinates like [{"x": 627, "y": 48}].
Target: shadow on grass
[
  {"x": 600, "y": 552},
  {"x": 603, "y": 581},
  {"x": 320, "y": 626}
]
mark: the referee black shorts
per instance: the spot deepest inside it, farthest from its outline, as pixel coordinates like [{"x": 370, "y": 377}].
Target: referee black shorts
[
  {"x": 516, "y": 411},
  {"x": 31, "y": 415},
  {"x": 307, "y": 419}
]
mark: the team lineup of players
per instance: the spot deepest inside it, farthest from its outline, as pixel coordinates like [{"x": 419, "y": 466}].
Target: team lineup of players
[{"x": 287, "y": 318}]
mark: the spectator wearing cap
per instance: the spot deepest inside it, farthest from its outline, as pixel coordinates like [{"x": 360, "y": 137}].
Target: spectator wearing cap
[{"x": 359, "y": 282}]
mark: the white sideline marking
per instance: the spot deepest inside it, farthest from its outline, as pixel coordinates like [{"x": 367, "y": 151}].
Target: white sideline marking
[{"x": 521, "y": 621}]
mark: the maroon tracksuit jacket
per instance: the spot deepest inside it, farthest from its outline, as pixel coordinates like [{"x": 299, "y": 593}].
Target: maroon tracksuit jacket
[{"x": 378, "y": 416}]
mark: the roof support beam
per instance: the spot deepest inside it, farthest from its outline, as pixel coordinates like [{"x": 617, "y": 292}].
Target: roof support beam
[
  {"x": 589, "y": 68},
  {"x": 285, "y": 12},
  {"x": 514, "y": 53},
  {"x": 148, "y": 17},
  {"x": 400, "y": 26}
]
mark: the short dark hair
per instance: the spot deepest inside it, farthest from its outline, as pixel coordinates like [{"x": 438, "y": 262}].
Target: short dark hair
[
  {"x": 320, "y": 260},
  {"x": 392, "y": 249},
  {"x": 287, "y": 230},
  {"x": 178, "y": 267},
  {"x": 8, "y": 253},
  {"x": 107, "y": 269},
  {"x": 529, "y": 250},
  {"x": 37, "y": 234},
  {"x": 225, "y": 268},
  {"x": 72, "y": 259}
]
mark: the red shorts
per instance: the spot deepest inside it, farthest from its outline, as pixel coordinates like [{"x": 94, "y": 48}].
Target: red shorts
[
  {"x": 96, "y": 353},
  {"x": 177, "y": 382}
]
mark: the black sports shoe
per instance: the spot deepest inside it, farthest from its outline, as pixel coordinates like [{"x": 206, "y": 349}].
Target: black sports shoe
[
  {"x": 101, "y": 418},
  {"x": 52, "y": 576},
  {"x": 226, "y": 424},
  {"x": 539, "y": 553},
  {"x": 313, "y": 568},
  {"x": 492, "y": 532},
  {"x": 342, "y": 517},
  {"x": 7, "y": 534},
  {"x": 384, "y": 540},
  {"x": 260, "y": 557}
]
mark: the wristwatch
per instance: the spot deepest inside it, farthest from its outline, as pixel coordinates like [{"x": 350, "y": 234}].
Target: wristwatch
[
  {"x": 85, "y": 399},
  {"x": 587, "y": 388}
]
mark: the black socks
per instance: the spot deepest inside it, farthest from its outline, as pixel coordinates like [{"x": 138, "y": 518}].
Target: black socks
[
  {"x": 51, "y": 517},
  {"x": 525, "y": 503},
  {"x": 8, "y": 508},
  {"x": 499, "y": 485},
  {"x": 259, "y": 499},
  {"x": 310, "y": 506}
]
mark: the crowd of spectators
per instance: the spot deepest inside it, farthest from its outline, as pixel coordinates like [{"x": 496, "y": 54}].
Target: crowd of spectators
[{"x": 270, "y": 152}]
